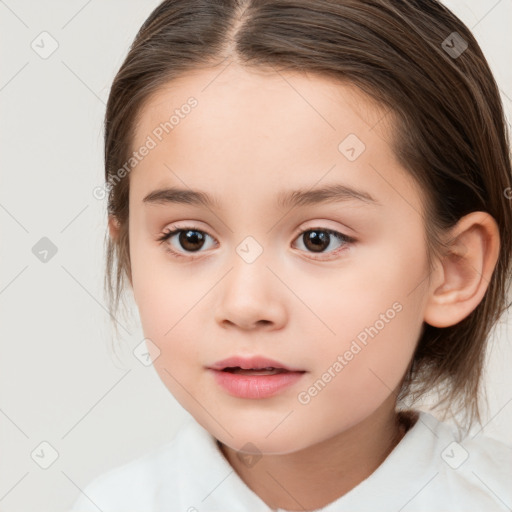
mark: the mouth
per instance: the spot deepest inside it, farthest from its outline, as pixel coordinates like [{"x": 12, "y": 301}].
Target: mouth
[
  {"x": 254, "y": 371},
  {"x": 254, "y": 365},
  {"x": 255, "y": 377}
]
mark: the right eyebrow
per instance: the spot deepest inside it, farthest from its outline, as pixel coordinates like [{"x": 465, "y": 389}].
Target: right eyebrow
[{"x": 181, "y": 196}]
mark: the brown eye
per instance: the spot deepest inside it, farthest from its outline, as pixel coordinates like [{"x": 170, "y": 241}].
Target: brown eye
[
  {"x": 188, "y": 240},
  {"x": 318, "y": 240},
  {"x": 191, "y": 239}
]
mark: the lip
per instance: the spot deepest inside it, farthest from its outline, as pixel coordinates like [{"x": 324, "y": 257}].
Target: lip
[
  {"x": 254, "y": 386},
  {"x": 253, "y": 362}
]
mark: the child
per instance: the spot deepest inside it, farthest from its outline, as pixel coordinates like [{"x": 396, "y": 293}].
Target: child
[{"x": 343, "y": 167}]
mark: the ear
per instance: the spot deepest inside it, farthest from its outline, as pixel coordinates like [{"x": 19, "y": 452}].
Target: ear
[
  {"x": 461, "y": 277},
  {"x": 113, "y": 227}
]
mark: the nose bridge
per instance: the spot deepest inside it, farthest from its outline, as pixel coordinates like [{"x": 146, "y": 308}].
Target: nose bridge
[
  {"x": 249, "y": 267},
  {"x": 250, "y": 292}
]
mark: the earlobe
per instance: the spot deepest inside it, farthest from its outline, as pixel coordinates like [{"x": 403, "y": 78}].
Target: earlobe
[{"x": 464, "y": 272}]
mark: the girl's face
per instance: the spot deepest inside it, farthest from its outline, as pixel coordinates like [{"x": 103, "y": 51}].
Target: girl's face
[{"x": 343, "y": 302}]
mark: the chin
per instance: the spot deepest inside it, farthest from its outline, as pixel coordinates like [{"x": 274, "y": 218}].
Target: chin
[{"x": 259, "y": 437}]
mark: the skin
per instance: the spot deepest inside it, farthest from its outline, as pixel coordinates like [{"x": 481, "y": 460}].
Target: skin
[{"x": 252, "y": 135}]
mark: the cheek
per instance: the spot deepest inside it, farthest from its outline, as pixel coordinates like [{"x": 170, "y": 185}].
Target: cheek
[
  {"x": 167, "y": 314},
  {"x": 169, "y": 299},
  {"x": 375, "y": 321},
  {"x": 380, "y": 279},
  {"x": 355, "y": 374},
  {"x": 167, "y": 310},
  {"x": 161, "y": 290}
]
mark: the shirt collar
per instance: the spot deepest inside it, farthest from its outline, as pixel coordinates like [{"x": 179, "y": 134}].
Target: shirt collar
[{"x": 207, "y": 482}]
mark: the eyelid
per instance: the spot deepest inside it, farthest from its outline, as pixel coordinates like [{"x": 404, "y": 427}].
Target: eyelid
[
  {"x": 323, "y": 224},
  {"x": 298, "y": 231}
]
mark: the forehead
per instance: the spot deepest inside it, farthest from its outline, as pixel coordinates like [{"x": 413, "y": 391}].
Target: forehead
[
  {"x": 252, "y": 132},
  {"x": 288, "y": 100}
]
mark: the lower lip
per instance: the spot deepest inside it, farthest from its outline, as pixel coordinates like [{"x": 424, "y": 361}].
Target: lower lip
[{"x": 255, "y": 386}]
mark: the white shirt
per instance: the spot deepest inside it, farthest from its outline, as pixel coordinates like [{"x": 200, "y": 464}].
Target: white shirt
[{"x": 428, "y": 471}]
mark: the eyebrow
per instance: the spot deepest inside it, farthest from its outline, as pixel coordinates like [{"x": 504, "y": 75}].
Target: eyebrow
[{"x": 333, "y": 193}]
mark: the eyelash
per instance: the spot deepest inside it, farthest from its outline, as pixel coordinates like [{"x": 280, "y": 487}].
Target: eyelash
[{"x": 169, "y": 233}]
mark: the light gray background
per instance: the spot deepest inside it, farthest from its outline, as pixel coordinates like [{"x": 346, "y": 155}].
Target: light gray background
[{"x": 60, "y": 381}]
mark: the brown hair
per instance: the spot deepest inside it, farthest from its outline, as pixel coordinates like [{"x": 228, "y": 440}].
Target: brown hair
[{"x": 450, "y": 131}]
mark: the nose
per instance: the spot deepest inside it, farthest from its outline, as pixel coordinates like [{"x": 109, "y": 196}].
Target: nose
[{"x": 251, "y": 297}]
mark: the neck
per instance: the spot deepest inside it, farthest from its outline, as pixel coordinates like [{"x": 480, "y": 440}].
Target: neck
[{"x": 316, "y": 476}]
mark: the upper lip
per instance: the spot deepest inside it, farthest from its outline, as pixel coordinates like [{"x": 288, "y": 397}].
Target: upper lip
[{"x": 251, "y": 363}]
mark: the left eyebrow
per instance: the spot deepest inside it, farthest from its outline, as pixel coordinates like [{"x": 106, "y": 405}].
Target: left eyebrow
[
  {"x": 300, "y": 197},
  {"x": 333, "y": 193}
]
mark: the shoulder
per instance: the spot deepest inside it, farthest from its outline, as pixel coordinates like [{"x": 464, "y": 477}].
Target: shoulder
[
  {"x": 136, "y": 485},
  {"x": 179, "y": 475},
  {"x": 485, "y": 464},
  {"x": 472, "y": 471}
]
